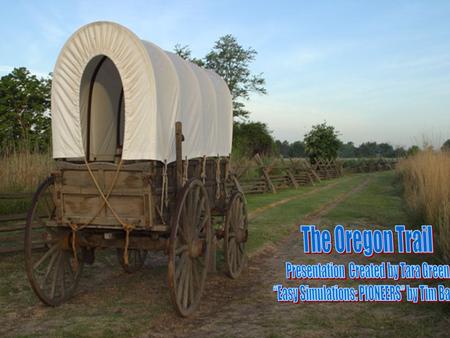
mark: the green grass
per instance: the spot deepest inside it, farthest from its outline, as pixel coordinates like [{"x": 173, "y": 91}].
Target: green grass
[
  {"x": 276, "y": 223},
  {"x": 379, "y": 203},
  {"x": 260, "y": 200}
]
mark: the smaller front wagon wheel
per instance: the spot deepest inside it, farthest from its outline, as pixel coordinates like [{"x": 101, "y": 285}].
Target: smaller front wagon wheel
[
  {"x": 235, "y": 235},
  {"x": 189, "y": 247}
]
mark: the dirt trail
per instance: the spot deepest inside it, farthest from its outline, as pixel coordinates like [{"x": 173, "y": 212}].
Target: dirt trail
[
  {"x": 246, "y": 306},
  {"x": 260, "y": 210}
]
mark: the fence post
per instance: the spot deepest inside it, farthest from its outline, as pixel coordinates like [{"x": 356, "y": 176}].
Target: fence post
[{"x": 265, "y": 174}]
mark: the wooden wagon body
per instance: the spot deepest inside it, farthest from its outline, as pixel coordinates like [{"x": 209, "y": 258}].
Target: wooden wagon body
[
  {"x": 143, "y": 193},
  {"x": 126, "y": 183}
]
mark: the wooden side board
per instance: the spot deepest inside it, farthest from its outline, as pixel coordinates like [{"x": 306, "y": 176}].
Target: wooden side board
[{"x": 136, "y": 192}]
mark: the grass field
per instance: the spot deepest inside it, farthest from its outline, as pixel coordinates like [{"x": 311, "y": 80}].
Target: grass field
[{"x": 111, "y": 303}]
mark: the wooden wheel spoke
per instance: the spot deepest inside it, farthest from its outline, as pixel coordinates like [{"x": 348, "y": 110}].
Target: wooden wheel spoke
[
  {"x": 181, "y": 249},
  {"x": 202, "y": 226},
  {"x": 238, "y": 255},
  {"x": 200, "y": 262},
  {"x": 49, "y": 268},
  {"x": 69, "y": 267},
  {"x": 231, "y": 250},
  {"x": 186, "y": 284},
  {"x": 63, "y": 270},
  {"x": 196, "y": 195},
  {"x": 191, "y": 283},
  {"x": 241, "y": 247},
  {"x": 195, "y": 273},
  {"x": 235, "y": 216},
  {"x": 55, "y": 276},
  {"x": 50, "y": 209},
  {"x": 235, "y": 260},
  {"x": 182, "y": 280},
  {"x": 180, "y": 266},
  {"x": 191, "y": 203},
  {"x": 232, "y": 212},
  {"x": 199, "y": 210},
  {"x": 182, "y": 234},
  {"x": 46, "y": 255},
  {"x": 236, "y": 223},
  {"x": 240, "y": 214},
  {"x": 50, "y": 272}
]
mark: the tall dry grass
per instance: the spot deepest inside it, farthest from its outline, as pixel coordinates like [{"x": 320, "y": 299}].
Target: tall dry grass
[
  {"x": 23, "y": 170},
  {"x": 426, "y": 181}
]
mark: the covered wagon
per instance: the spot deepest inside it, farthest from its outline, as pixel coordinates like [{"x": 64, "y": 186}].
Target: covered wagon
[{"x": 141, "y": 141}]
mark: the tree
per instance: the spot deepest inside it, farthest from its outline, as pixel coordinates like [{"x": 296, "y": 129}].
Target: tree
[
  {"x": 446, "y": 145},
  {"x": 250, "y": 138},
  {"x": 347, "y": 150},
  {"x": 400, "y": 152},
  {"x": 185, "y": 53},
  {"x": 413, "y": 150},
  {"x": 24, "y": 109},
  {"x": 282, "y": 148},
  {"x": 385, "y": 150},
  {"x": 297, "y": 149},
  {"x": 232, "y": 62},
  {"x": 322, "y": 142},
  {"x": 367, "y": 149}
]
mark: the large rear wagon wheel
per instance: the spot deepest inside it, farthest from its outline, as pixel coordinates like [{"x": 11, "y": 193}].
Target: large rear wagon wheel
[
  {"x": 235, "y": 235},
  {"x": 189, "y": 247},
  {"x": 49, "y": 259}
]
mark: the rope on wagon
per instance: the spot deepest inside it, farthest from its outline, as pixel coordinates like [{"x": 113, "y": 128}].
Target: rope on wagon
[
  {"x": 218, "y": 177},
  {"x": 164, "y": 191},
  {"x": 75, "y": 227},
  {"x": 127, "y": 227},
  {"x": 203, "y": 173},
  {"x": 227, "y": 177},
  {"x": 185, "y": 170}
]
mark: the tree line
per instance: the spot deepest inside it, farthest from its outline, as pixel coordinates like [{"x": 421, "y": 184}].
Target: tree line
[{"x": 348, "y": 149}]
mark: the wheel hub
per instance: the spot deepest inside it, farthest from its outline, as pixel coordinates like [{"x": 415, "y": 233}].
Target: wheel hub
[
  {"x": 196, "y": 248},
  {"x": 241, "y": 235}
]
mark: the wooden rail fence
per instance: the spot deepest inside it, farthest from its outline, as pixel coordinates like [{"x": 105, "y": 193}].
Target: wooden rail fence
[
  {"x": 12, "y": 226},
  {"x": 260, "y": 175}
]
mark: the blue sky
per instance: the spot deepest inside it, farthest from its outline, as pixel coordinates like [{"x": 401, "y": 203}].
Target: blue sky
[{"x": 377, "y": 70}]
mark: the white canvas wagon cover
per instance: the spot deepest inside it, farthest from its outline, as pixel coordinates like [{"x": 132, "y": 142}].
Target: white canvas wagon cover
[{"x": 106, "y": 70}]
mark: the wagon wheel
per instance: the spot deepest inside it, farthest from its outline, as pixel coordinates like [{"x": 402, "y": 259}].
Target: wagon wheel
[
  {"x": 136, "y": 259},
  {"x": 189, "y": 247},
  {"x": 235, "y": 235},
  {"x": 50, "y": 266}
]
